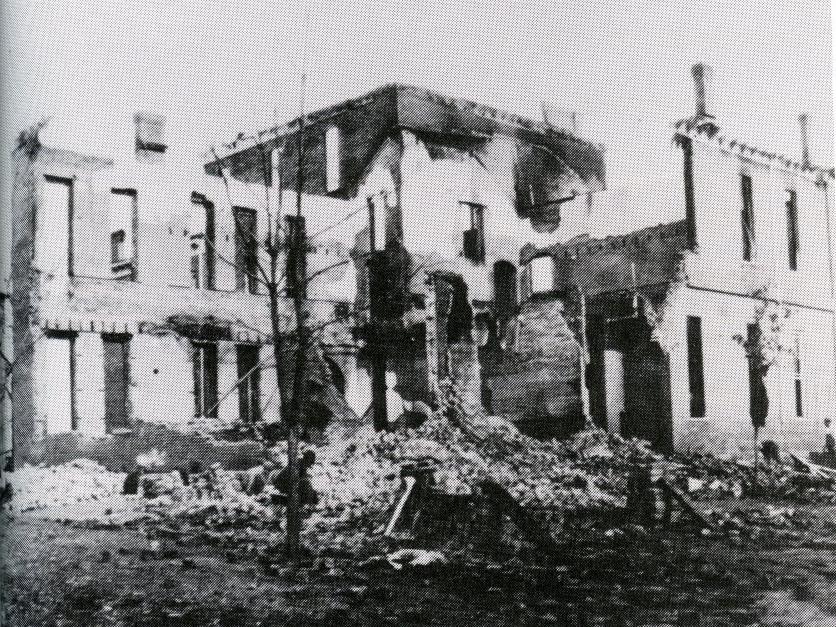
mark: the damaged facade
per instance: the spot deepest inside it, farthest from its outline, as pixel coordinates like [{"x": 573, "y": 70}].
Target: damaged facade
[
  {"x": 456, "y": 190},
  {"x": 696, "y": 327},
  {"x": 134, "y": 315},
  {"x": 131, "y": 309}
]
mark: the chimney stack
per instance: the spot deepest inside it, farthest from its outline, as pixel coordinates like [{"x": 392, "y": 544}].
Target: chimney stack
[
  {"x": 804, "y": 127},
  {"x": 150, "y": 136},
  {"x": 564, "y": 119},
  {"x": 703, "y": 89}
]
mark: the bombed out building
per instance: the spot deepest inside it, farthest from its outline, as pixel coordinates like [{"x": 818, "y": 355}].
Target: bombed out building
[
  {"x": 694, "y": 327},
  {"x": 136, "y": 318},
  {"x": 448, "y": 239}
]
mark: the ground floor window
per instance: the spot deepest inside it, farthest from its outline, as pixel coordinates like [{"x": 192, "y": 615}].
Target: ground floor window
[
  {"x": 59, "y": 351},
  {"x": 205, "y": 361},
  {"x": 249, "y": 383},
  {"x": 116, "y": 381},
  {"x": 799, "y": 401}
]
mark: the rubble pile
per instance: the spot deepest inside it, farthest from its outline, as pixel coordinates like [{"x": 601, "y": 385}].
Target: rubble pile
[
  {"x": 216, "y": 499},
  {"x": 78, "y": 491},
  {"x": 357, "y": 478},
  {"x": 706, "y": 477}
]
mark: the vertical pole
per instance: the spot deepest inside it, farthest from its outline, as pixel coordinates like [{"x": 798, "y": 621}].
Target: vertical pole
[
  {"x": 299, "y": 400},
  {"x": 584, "y": 354},
  {"x": 431, "y": 334},
  {"x": 377, "y": 352}
]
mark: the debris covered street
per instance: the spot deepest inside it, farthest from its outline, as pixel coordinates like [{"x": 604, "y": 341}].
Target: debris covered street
[
  {"x": 77, "y": 551},
  {"x": 55, "y": 574}
]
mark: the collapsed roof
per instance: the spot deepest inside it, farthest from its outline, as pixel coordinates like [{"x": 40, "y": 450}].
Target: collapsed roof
[{"x": 368, "y": 121}]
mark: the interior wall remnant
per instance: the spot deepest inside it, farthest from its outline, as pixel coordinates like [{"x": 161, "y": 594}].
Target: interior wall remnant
[{"x": 537, "y": 382}]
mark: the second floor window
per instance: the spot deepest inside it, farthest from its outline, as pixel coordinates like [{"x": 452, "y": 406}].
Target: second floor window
[
  {"x": 123, "y": 215},
  {"x": 332, "y": 159},
  {"x": 747, "y": 217},
  {"x": 474, "y": 237},
  {"x": 792, "y": 229},
  {"x": 54, "y": 242},
  {"x": 246, "y": 249},
  {"x": 117, "y": 247},
  {"x": 203, "y": 243}
]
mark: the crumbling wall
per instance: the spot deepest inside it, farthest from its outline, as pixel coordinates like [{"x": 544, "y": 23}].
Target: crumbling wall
[{"x": 537, "y": 384}]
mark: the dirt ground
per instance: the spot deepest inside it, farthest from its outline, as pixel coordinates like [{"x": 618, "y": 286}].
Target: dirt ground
[{"x": 67, "y": 574}]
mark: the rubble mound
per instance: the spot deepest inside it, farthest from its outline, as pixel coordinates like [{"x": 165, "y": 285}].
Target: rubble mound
[
  {"x": 77, "y": 491},
  {"x": 357, "y": 477}
]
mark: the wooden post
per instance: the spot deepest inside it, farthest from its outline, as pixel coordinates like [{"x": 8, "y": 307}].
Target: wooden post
[
  {"x": 584, "y": 354},
  {"x": 377, "y": 351}
]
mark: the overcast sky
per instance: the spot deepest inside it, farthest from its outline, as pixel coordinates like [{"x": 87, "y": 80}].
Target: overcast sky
[{"x": 217, "y": 68}]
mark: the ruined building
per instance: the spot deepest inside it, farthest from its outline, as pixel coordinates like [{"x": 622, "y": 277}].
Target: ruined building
[
  {"x": 137, "y": 307},
  {"x": 694, "y": 327},
  {"x": 135, "y": 314},
  {"x": 447, "y": 239},
  {"x": 456, "y": 189}
]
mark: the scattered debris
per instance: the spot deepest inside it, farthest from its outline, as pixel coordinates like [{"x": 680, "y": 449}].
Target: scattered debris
[{"x": 415, "y": 558}]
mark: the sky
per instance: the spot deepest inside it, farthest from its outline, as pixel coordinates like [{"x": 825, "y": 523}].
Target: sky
[{"x": 218, "y": 68}]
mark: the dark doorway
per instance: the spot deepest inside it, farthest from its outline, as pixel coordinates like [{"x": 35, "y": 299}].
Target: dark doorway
[
  {"x": 116, "y": 381},
  {"x": 249, "y": 387},
  {"x": 504, "y": 288}
]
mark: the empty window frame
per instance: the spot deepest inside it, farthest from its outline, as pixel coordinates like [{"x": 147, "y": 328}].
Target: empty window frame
[
  {"x": 474, "y": 237},
  {"x": 333, "y": 151},
  {"x": 505, "y": 288},
  {"x": 747, "y": 217},
  {"x": 124, "y": 219},
  {"x": 541, "y": 274},
  {"x": 249, "y": 383},
  {"x": 296, "y": 267},
  {"x": 54, "y": 243},
  {"x": 58, "y": 349},
  {"x": 792, "y": 229},
  {"x": 696, "y": 375},
  {"x": 203, "y": 243},
  {"x": 205, "y": 362},
  {"x": 758, "y": 396},
  {"x": 117, "y": 247},
  {"x": 246, "y": 249}
]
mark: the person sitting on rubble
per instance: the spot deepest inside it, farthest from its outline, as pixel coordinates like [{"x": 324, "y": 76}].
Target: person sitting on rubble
[
  {"x": 280, "y": 480},
  {"x": 254, "y": 480},
  {"x": 771, "y": 453},
  {"x": 132, "y": 480},
  {"x": 829, "y": 438}
]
